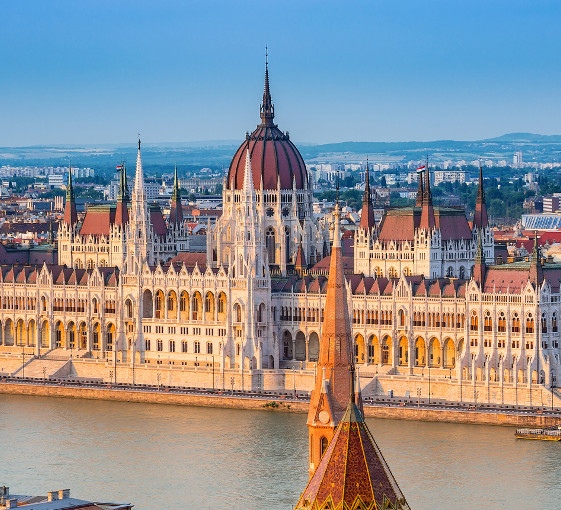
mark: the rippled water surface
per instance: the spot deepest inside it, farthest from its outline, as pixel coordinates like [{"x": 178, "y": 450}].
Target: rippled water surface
[{"x": 174, "y": 457}]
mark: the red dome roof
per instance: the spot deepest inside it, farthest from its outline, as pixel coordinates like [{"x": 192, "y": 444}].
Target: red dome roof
[{"x": 273, "y": 155}]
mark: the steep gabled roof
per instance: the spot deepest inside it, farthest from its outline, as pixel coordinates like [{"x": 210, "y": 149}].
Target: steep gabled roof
[{"x": 352, "y": 472}]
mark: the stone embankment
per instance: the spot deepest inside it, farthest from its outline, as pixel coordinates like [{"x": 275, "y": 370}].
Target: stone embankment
[{"x": 528, "y": 418}]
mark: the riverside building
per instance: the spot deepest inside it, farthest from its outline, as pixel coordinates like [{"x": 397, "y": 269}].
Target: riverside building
[{"x": 429, "y": 309}]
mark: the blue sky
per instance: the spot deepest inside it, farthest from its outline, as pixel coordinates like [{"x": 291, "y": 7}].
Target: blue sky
[{"x": 102, "y": 71}]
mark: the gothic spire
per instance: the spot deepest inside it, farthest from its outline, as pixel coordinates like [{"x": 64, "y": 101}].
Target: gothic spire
[
  {"x": 480, "y": 219},
  {"x": 536, "y": 266},
  {"x": 122, "y": 211},
  {"x": 427, "y": 213},
  {"x": 176, "y": 212},
  {"x": 420, "y": 191},
  {"x": 480, "y": 267},
  {"x": 331, "y": 394},
  {"x": 70, "y": 213},
  {"x": 267, "y": 110},
  {"x": 367, "y": 216}
]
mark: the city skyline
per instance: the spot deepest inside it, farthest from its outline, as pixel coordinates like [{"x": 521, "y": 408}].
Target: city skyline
[{"x": 97, "y": 72}]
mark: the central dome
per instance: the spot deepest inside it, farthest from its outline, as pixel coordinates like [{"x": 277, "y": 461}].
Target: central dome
[{"x": 273, "y": 156}]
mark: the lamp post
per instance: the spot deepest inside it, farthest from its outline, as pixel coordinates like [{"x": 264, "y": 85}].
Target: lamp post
[
  {"x": 45, "y": 373},
  {"x": 110, "y": 376},
  {"x": 232, "y": 383},
  {"x": 418, "y": 398},
  {"x": 429, "y": 383},
  {"x": 294, "y": 380},
  {"x": 552, "y": 396},
  {"x": 22, "y": 361},
  {"x": 158, "y": 378}
]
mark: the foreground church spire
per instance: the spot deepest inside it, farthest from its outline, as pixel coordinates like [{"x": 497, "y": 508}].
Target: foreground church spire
[
  {"x": 70, "y": 213},
  {"x": 333, "y": 381},
  {"x": 347, "y": 469}
]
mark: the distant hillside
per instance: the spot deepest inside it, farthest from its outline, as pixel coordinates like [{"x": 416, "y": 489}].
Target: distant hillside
[{"x": 526, "y": 137}]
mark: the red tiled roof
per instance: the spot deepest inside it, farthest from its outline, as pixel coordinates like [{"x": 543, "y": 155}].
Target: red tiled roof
[
  {"x": 190, "y": 259},
  {"x": 97, "y": 221},
  {"x": 158, "y": 222},
  {"x": 400, "y": 224}
]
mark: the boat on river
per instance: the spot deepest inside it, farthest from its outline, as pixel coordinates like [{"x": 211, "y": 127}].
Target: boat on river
[{"x": 546, "y": 434}]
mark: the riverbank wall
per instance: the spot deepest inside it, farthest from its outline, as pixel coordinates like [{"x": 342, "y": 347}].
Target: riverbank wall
[
  {"x": 276, "y": 404},
  {"x": 423, "y": 383}
]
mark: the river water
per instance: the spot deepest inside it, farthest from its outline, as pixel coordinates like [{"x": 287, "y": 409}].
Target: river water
[{"x": 175, "y": 457}]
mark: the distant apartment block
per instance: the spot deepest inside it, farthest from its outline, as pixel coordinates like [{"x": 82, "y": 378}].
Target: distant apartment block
[
  {"x": 43, "y": 171},
  {"x": 198, "y": 185},
  {"x": 56, "y": 180},
  {"x": 449, "y": 176},
  {"x": 551, "y": 203}
]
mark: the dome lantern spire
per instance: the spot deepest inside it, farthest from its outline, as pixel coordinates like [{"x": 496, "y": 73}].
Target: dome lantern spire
[{"x": 267, "y": 110}]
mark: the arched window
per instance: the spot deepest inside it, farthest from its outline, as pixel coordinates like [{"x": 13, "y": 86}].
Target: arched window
[
  {"x": 554, "y": 322},
  {"x": 502, "y": 323},
  {"x": 529, "y": 323},
  {"x": 544, "y": 322},
  {"x": 474, "y": 322},
  {"x": 323, "y": 445},
  {"x": 488, "y": 324},
  {"x": 515, "y": 323},
  {"x": 237, "y": 313},
  {"x": 270, "y": 244}
]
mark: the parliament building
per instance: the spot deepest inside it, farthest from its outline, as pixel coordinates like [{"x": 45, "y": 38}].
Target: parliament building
[{"x": 425, "y": 296}]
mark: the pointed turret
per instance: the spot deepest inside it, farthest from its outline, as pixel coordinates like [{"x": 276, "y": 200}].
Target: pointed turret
[
  {"x": 122, "y": 211},
  {"x": 70, "y": 213},
  {"x": 480, "y": 267},
  {"x": 367, "y": 215},
  {"x": 140, "y": 248},
  {"x": 480, "y": 219},
  {"x": 427, "y": 212},
  {"x": 330, "y": 397},
  {"x": 420, "y": 193},
  {"x": 536, "y": 266},
  {"x": 267, "y": 110},
  {"x": 176, "y": 214},
  {"x": 300, "y": 262}
]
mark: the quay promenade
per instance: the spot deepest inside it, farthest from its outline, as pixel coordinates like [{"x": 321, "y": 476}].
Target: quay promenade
[{"x": 376, "y": 407}]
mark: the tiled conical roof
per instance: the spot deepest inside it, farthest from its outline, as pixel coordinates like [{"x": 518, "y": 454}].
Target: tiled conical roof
[{"x": 353, "y": 474}]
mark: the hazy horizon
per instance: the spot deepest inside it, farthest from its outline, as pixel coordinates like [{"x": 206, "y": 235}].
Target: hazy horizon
[{"x": 100, "y": 71}]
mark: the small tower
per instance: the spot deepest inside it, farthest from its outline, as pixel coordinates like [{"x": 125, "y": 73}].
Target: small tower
[
  {"x": 176, "y": 213},
  {"x": 420, "y": 192},
  {"x": 330, "y": 396},
  {"x": 427, "y": 212},
  {"x": 480, "y": 219},
  {"x": 480, "y": 267},
  {"x": 70, "y": 214},
  {"x": 122, "y": 210},
  {"x": 536, "y": 266},
  {"x": 367, "y": 221}
]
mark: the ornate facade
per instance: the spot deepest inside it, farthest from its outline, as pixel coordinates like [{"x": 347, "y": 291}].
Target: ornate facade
[{"x": 424, "y": 293}]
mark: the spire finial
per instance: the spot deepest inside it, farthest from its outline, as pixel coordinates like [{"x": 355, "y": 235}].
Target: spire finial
[
  {"x": 138, "y": 141},
  {"x": 267, "y": 110}
]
